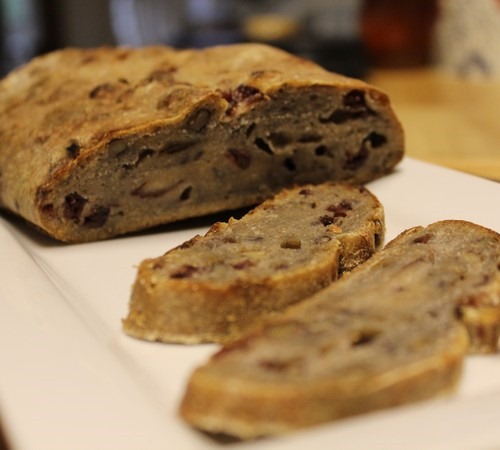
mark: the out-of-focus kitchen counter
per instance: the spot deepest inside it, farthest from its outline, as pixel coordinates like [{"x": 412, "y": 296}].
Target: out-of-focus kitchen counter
[{"x": 447, "y": 120}]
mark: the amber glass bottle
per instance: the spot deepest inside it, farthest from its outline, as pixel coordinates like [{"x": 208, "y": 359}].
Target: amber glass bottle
[{"x": 398, "y": 33}]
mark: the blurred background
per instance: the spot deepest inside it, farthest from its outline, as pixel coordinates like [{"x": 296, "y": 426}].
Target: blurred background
[
  {"x": 348, "y": 36},
  {"x": 343, "y": 35}
]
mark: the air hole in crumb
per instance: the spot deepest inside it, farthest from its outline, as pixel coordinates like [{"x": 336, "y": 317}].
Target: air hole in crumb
[
  {"x": 422, "y": 239},
  {"x": 364, "y": 337},
  {"x": 354, "y": 162},
  {"x": 239, "y": 157},
  {"x": 263, "y": 145},
  {"x": 73, "y": 149},
  {"x": 280, "y": 139},
  {"x": 433, "y": 313},
  {"x": 186, "y": 193},
  {"x": 376, "y": 139},
  {"x": 185, "y": 271},
  {"x": 291, "y": 243},
  {"x": 48, "y": 209},
  {"x": 145, "y": 153},
  {"x": 244, "y": 264},
  {"x": 289, "y": 164},
  {"x": 73, "y": 206},
  {"x": 310, "y": 138},
  {"x": 321, "y": 150},
  {"x": 198, "y": 121},
  {"x": 327, "y": 220},
  {"x": 306, "y": 192},
  {"x": 98, "y": 217},
  {"x": 250, "y": 129},
  {"x": 354, "y": 99}
]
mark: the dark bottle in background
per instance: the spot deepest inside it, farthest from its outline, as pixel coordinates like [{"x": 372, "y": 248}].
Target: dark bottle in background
[{"x": 398, "y": 33}]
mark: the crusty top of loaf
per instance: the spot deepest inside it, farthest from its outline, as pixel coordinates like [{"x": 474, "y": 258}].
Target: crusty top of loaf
[{"x": 69, "y": 102}]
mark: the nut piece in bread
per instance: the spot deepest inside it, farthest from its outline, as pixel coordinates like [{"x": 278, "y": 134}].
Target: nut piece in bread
[
  {"x": 384, "y": 335},
  {"x": 96, "y": 143},
  {"x": 214, "y": 287}
]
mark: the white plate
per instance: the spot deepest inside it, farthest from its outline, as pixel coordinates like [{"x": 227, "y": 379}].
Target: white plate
[{"x": 70, "y": 379}]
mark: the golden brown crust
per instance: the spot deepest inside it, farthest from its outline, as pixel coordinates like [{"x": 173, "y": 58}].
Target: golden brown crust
[
  {"x": 385, "y": 334},
  {"x": 249, "y": 409},
  {"x": 212, "y": 288},
  {"x": 63, "y": 112}
]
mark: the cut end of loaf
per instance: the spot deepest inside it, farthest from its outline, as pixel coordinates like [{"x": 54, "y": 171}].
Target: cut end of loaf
[
  {"x": 161, "y": 135},
  {"x": 287, "y": 137}
]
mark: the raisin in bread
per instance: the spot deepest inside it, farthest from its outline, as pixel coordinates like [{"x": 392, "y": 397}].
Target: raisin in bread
[
  {"x": 384, "y": 335},
  {"x": 211, "y": 288},
  {"x": 101, "y": 142}
]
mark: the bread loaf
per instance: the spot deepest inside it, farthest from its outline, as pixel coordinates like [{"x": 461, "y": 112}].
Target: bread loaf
[
  {"x": 385, "y": 334},
  {"x": 96, "y": 143},
  {"x": 214, "y": 287}
]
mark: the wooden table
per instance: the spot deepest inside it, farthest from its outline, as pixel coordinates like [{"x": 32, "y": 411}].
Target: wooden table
[{"x": 447, "y": 120}]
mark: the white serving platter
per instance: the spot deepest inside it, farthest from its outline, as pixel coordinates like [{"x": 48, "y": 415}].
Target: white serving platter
[{"x": 70, "y": 379}]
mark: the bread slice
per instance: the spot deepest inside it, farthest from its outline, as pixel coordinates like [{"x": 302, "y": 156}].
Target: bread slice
[
  {"x": 385, "y": 334},
  {"x": 100, "y": 142},
  {"x": 211, "y": 288}
]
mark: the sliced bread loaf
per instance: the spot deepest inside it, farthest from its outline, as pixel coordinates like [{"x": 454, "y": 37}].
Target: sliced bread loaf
[
  {"x": 212, "y": 288},
  {"x": 99, "y": 142},
  {"x": 386, "y": 334}
]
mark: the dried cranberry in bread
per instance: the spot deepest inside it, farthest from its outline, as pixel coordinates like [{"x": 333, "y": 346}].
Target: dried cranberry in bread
[
  {"x": 211, "y": 288},
  {"x": 383, "y": 335},
  {"x": 99, "y": 142}
]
